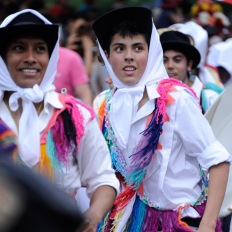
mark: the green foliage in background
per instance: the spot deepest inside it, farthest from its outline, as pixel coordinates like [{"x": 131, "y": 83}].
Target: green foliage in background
[{"x": 105, "y": 4}]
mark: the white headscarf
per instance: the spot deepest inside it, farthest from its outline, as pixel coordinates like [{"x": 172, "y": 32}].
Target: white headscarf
[
  {"x": 220, "y": 54},
  {"x": 124, "y": 102},
  {"x": 29, "y": 131}
]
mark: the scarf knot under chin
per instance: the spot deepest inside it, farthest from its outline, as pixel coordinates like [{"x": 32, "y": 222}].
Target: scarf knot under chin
[
  {"x": 124, "y": 104},
  {"x": 27, "y": 95}
]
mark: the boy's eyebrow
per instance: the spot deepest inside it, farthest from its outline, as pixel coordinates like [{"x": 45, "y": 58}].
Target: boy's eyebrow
[
  {"x": 179, "y": 55},
  {"x": 117, "y": 43},
  {"x": 134, "y": 44}
]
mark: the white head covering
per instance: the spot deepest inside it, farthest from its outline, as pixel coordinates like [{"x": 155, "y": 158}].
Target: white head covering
[
  {"x": 220, "y": 54},
  {"x": 199, "y": 35},
  {"x": 29, "y": 132},
  {"x": 125, "y": 101}
]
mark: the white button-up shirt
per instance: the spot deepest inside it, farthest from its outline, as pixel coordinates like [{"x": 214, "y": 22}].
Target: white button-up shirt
[
  {"x": 94, "y": 166},
  {"x": 173, "y": 177}
]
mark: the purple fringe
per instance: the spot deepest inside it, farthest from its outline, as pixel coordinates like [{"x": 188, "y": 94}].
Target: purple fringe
[
  {"x": 161, "y": 220},
  {"x": 169, "y": 220}
]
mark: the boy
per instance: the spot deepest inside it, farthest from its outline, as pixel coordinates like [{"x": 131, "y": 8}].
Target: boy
[
  {"x": 159, "y": 140},
  {"x": 57, "y": 135}
]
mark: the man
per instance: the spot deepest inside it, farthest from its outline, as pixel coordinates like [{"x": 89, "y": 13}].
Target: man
[
  {"x": 180, "y": 58},
  {"x": 57, "y": 135}
]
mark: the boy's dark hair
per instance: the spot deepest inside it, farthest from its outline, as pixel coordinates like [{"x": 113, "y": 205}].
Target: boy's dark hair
[
  {"x": 127, "y": 28},
  {"x": 224, "y": 74},
  {"x": 128, "y": 21},
  {"x": 125, "y": 21}
]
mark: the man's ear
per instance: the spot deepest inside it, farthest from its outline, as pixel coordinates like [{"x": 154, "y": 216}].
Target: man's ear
[{"x": 190, "y": 65}]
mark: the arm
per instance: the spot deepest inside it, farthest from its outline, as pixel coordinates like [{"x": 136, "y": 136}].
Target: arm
[
  {"x": 83, "y": 92},
  {"x": 202, "y": 144},
  {"x": 88, "y": 53},
  {"x": 217, "y": 187},
  {"x": 97, "y": 175},
  {"x": 79, "y": 79},
  {"x": 100, "y": 203}
]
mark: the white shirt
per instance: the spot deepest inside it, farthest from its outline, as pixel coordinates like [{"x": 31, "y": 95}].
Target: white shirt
[
  {"x": 94, "y": 163},
  {"x": 173, "y": 176}
]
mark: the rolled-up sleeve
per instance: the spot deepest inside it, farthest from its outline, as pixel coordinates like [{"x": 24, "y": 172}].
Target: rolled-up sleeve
[
  {"x": 197, "y": 135},
  {"x": 94, "y": 160}
]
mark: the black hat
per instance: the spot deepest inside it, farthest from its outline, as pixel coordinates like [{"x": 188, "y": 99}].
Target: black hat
[
  {"x": 28, "y": 23},
  {"x": 103, "y": 25},
  {"x": 177, "y": 41}
]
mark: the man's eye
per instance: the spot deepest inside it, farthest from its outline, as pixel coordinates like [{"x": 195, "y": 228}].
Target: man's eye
[
  {"x": 42, "y": 48},
  {"x": 17, "y": 48}
]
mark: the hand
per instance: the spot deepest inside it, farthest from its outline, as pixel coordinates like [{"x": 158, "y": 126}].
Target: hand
[
  {"x": 86, "y": 227},
  {"x": 90, "y": 224}
]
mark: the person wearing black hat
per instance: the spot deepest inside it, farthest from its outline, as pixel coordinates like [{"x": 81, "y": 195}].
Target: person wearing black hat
[
  {"x": 160, "y": 143},
  {"x": 57, "y": 135},
  {"x": 180, "y": 58}
]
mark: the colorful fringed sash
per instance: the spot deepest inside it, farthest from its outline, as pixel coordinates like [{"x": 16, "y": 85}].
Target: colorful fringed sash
[
  {"x": 56, "y": 141},
  {"x": 8, "y": 143},
  {"x": 131, "y": 177}
]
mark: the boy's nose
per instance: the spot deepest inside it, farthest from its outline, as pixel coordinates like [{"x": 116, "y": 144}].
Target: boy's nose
[{"x": 30, "y": 57}]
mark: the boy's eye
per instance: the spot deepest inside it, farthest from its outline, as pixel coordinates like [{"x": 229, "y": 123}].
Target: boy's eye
[
  {"x": 138, "y": 48},
  {"x": 118, "y": 49}
]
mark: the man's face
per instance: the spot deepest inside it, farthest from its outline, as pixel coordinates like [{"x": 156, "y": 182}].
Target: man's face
[
  {"x": 27, "y": 60},
  {"x": 128, "y": 57},
  {"x": 176, "y": 64}
]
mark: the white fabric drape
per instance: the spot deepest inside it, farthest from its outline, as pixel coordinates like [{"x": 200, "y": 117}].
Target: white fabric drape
[
  {"x": 28, "y": 133},
  {"x": 125, "y": 101}
]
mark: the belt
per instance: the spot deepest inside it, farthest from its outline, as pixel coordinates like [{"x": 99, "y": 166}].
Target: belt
[{"x": 195, "y": 222}]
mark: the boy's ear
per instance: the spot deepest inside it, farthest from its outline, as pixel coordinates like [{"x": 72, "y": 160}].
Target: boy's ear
[
  {"x": 106, "y": 53},
  {"x": 190, "y": 65}
]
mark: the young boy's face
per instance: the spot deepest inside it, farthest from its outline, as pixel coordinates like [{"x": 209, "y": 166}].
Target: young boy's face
[
  {"x": 176, "y": 64},
  {"x": 27, "y": 60},
  {"x": 128, "y": 57}
]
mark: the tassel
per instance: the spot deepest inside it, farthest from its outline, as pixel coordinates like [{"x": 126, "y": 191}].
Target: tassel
[{"x": 44, "y": 166}]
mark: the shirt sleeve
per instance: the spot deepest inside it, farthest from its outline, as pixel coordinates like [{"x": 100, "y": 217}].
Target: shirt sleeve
[
  {"x": 196, "y": 134},
  {"x": 94, "y": 160}
]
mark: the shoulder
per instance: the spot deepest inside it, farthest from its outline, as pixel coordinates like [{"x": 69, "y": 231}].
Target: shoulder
[
  {"x": 76, "y": 107},
  {"x": 176, "y": 87},
  {"x": 176, "y": 94},
  {"x": 100, "y": 98}
]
